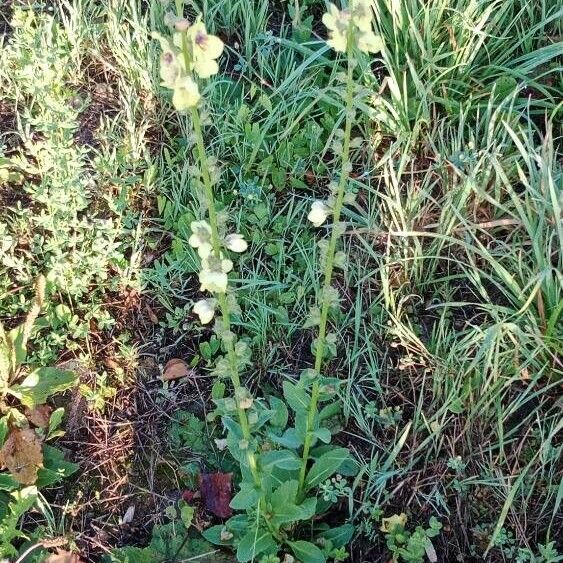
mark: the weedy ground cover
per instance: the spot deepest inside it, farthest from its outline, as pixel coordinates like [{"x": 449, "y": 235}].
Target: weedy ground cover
[{"x": 304, "y": 261}]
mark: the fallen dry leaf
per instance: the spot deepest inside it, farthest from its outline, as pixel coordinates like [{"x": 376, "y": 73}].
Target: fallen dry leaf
[
  {"x": 151, "y": 315},
  {"x": 175, "y": 369},
  {"x": 39, "y": 416},
  {"x": 216, "y": 492},
  {"x": 21, "y": 455},
  {"x": 128, "y": 516},
  {"x": 63, "y": 557}
]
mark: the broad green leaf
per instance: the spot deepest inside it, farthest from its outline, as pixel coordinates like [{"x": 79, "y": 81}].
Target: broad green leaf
[
  {"x": 55, "y": 467},
  {"x": 281, "y": 414},
  {"x": 237, "y": 524},
  {"x": 326, "y": 466},
  {"x": 307, "y": 552},
  {"x": 54, "y": 422},
  {"x": 41, "y": 383},
  {"x": 3, "y": 429},
  {"x": 187, "y": 515},
  {"x": 296, "y": 398},
  {"x": 7, "y": 482},
  {"x": 289, "y": 439},
  {"x": 254, "y": 543},
  {"x": 323, "y": 434},
  {"x": 18, "y": 345},
  {"x": 339, "y": 536},
  {"x": 349, "y": 466},
  {"x": 284, "y": 459},
  {"x": 213, "y": 535},
  {"x": 286, "y": 514},
  {"x": 285, "y": 493},
  {"x": 332, "y": 409},
  {"x": 247, "y": 497}
]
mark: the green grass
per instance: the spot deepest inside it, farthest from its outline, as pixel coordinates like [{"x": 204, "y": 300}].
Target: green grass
[{"x": 450, "y": 332}]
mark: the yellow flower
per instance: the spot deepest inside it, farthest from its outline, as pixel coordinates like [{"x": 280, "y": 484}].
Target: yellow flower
[
  {"x": 389, "y": 524},
  {"x": 337, "y": 22},
  {"x": 319, "y": 212},
  {"x": 213, "y": 276},
  {"x": 368, "y": 42},
  {"x": 186, "y": 93},
  {"x": 236, "y": 243},
  {"x": 216, "y": 282},
  {"x": 205, "y": 49},
  {"x": 201, "y": 238},
  {"x": 205, "y": 310},
  {"x": 169, "y": 69},
  {"x": 362, "y": 14}
]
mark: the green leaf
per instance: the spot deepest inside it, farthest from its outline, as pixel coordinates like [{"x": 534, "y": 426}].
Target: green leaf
[
  {"x": 55, "y": 467},
  {"x": 7, "y": 482},
  {"x": 326, "y": 466},
  {"x": 247, "y": 497},
  {"x": 323, "y": 434},
  {"x": 340, "y": 536},
  {"x": 18, "y": 345},
  {"x": 289, "y": 439},
  {"x": 54, "y": 422},
  {"x": 284, "y": 507},
  {"x": 5, "y": 362},
  {"x": 213, "y": 535},
  {"x": 3, "y": 429},
  {"x": 284, "y": 459},
  {"x": 281, "y": 414},
  {"x": 296, "y": 397},
  {"x": 41, "y": 383},
  {"x": 187, "y": 515},
  {"x": 285, "y": 493},
  {"x": 307, "y": 552},
  {"x": 253, "y": 543}
]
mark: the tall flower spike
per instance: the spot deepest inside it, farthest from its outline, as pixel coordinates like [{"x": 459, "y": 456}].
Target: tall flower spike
[{"x": 201, "y": 238}]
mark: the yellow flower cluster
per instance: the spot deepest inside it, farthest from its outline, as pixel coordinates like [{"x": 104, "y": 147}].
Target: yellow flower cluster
[
  {"x": 192, "y": 53},
  {"x": 214, "y": 266},
  {"x": 353, "y": 24}
]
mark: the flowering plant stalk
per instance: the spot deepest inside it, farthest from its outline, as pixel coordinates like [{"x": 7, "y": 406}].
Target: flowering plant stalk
[
  {"x": 199, "y": 51},
  {"x": 349, "y": 30},
  {"x": 278, "y": 489}
]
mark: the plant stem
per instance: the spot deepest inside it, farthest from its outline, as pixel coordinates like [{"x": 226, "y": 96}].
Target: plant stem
[
  {"x": 329, "y": 265},
  {"x": 221, "y": 297}
]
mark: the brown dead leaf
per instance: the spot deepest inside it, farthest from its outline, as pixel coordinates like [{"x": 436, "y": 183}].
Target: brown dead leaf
[
  {"x": 174, "y": 369},
  {"x": 21, "y": 455},
  {"x": 39, "y": 416},
  {"x": 151, "y": 315},
  {"x": 216, "y": 492},
  {"x": 63, "y": 557}
]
